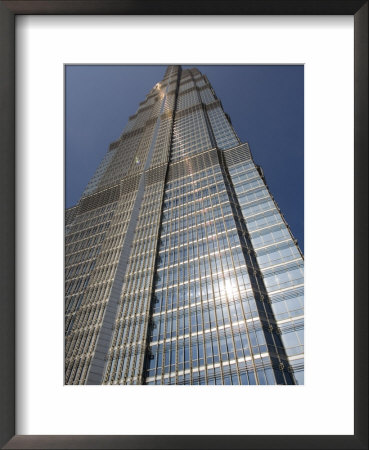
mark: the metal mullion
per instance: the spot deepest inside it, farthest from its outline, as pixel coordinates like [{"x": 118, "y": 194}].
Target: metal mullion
[
  {"x": 216, "y": 319},
  {"x": 208, "y": 301},
  {"x": 248, "y": 337},
  {"x": 177, "y": 311},
  {"x": 229, "y": 312},
  {"x": 166, "y": 304}
]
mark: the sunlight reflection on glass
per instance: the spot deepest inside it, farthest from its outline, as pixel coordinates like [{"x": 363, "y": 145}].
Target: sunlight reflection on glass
[{"x": 227, "y": 287}]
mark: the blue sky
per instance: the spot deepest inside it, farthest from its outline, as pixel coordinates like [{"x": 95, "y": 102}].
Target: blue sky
[{"x": 265, "y": 103}]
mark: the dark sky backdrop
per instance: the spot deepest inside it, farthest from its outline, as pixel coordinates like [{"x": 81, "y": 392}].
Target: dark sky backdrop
[{"x": 265, "y": 103}]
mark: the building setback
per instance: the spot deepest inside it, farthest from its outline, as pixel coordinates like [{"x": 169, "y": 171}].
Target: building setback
[{"x": 180, "y": 268}]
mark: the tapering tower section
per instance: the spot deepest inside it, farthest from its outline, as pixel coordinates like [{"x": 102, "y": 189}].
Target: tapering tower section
[
  {"x": 111, "y": 243},
  {"x": 180, "y": 268}
]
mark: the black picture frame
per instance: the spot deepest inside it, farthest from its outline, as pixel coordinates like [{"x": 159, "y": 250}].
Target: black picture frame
[{"x": 8, "y": 11}]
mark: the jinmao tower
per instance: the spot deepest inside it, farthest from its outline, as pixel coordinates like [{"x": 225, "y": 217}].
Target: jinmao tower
[{"x": 179, "y": 265}]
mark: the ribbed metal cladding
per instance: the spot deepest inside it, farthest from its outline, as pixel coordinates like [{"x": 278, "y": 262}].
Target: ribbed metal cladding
[
  {"x": 129, "y": 134},
  {"x": 238, "y": 154},
  {"x": 129, "y": 184},
  {"x": 156, "y": 174},
  {"x": 100, "y": 199},
  {"x": 193, "y": 164},
  {"x": 70, "y": 214}
]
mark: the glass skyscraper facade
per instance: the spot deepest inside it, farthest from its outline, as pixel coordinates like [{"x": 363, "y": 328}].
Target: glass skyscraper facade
[{"x": 180, "y": 268}]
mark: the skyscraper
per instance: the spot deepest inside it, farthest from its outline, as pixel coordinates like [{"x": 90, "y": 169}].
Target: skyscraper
[{"x": 180, "y": 268}]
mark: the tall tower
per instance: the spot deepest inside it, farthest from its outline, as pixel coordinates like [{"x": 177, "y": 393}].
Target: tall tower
[{"x": 180, "y": 268}]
